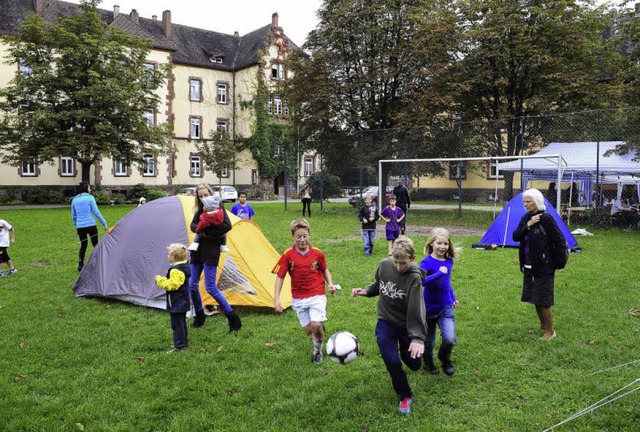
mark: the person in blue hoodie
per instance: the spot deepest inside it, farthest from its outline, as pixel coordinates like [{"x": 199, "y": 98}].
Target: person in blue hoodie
[{"x": 84, "y": 210}]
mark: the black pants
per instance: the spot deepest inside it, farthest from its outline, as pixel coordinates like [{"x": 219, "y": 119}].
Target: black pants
[
  {"x": 84, "y": 234},
  {"x": 306, "y": 205},
  {"x": 403, "y": 222}
]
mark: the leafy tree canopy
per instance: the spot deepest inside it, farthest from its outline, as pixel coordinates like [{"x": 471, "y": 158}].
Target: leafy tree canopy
[{"x": 82, "y": 91}]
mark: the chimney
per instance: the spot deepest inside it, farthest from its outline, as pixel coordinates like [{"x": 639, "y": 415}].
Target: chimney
[
  {"x": 236, "y": 34},
  {"x": 116, "y": 10},
  {"x": 40, "y": 7},
  {"x": 135, "y": 17},
  {"x": 154, "y": 17},
  {"x": 166, "y": 23},
  {"x": 274, "y": 19}
]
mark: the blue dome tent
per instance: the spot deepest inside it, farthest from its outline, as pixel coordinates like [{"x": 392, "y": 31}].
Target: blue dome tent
[{"x": 500, "y": 232}]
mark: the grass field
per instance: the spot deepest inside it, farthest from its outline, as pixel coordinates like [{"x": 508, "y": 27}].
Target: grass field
[{"x": 72, "y": 364}]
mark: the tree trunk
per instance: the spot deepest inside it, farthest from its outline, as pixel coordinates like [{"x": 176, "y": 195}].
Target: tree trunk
[{"x": 86, "y": 171}]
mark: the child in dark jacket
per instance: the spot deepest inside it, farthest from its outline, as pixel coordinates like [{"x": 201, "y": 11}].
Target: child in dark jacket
[
  {"x": 368, "y": 215},
  {"x": 176, "y": 283}
]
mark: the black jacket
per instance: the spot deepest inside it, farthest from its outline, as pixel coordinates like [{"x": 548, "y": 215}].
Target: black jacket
[
  {"x": 210, "y": 240},
  {"x": 541, "y": 238},
  {"x": 179, "y": 300},
  {"x": 371, "y": 214}
]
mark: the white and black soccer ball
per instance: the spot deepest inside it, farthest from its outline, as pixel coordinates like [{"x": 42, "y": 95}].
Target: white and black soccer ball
[{"x": 343, "y": 347}]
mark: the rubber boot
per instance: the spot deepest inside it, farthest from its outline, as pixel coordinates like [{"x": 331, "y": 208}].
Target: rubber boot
[
  {"x": 235, "y": 323},
  {"x": 431, "y": 368},
  {"x": 444, "y": 354},
  {"x": 199, "y": 320}
]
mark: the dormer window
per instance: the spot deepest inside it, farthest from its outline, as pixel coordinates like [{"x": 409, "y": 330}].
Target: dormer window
[
  {"x": 277, "y": 71},
  {"x": 215, "y": 59}
]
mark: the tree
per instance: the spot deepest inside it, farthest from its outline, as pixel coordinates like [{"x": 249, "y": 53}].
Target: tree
[
  {"x": 82, "y": 92},
  {"x": 219, "y": 154},
  {"x": 493, "y": 62},
  {"x": 351, "y": 77}
]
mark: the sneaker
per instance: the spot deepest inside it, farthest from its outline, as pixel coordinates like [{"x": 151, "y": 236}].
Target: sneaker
[
  {"x": 224, "y": 248},
  {"x": 405, "y": 406},
  {"x": 317, "y": 358},
  {"x": 543, "y": 338},
  {"x": 12, "y": 271},
  {"x": 1, "y": 274},
  {"x": 193, "y": 247}
]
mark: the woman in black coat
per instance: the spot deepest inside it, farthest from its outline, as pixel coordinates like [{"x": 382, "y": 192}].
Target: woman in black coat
[
  {"x": 206, "y": 259},
  {"x": 538, "y": 235}
]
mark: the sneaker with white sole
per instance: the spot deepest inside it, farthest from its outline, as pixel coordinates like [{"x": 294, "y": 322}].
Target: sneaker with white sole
[
  {"x": 405, "y": 406},
  {"x": 12, "y": 271},
  {"x": 224, "y": 249},
  {"x": 193, "y": 247},
  {"x": 317, "y": 358}
]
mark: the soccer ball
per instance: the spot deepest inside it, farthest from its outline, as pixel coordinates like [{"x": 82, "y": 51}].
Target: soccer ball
[{"x": 343, "y": 347}]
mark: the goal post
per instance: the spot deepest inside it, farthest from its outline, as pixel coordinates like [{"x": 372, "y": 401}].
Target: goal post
[{"x": 555, "y": 164}]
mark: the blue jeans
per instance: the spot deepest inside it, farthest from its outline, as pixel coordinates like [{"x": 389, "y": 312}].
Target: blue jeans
[
  {"x": 393, "y": 343},
  {"x": 209, "y": 284},
  {"x": 368, "y": 236},
  {"x": 447, "y": 323}
]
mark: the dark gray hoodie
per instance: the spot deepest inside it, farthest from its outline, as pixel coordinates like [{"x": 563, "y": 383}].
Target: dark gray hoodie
[{"x": 401, "y": 302}]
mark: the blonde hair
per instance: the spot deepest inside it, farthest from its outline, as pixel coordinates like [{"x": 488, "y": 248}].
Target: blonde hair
[
  {"x": 300, "y": 224},
  {"x": 537, "y": 198},
  {"x": 452, "y": 252},
  {"x": 177, "y": 252},
  {"x": 403, "y": 247},
  {"x": 198, "y": 205}
]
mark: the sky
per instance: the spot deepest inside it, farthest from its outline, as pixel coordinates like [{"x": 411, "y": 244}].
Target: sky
[{"x": 296, "y": 17}]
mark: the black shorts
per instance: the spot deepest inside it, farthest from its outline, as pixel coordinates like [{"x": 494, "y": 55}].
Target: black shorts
[
  {"x": 4, "y": 255},
  {"x": 538, "y": 289}
]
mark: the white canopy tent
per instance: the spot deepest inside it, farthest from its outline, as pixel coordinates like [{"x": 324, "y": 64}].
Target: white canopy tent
[{"x": 585, "y": 162}]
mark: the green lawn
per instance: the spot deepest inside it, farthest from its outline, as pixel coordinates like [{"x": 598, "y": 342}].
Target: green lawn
[{"x": 74, "y": 364}]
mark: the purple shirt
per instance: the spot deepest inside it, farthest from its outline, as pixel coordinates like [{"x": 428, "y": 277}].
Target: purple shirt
[{"x": 393, "y": 215}]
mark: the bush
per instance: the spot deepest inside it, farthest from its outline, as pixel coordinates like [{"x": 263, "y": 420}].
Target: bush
[
  {"x": 102, "y": 197},
  {"x": 331, "y": 185},
  {"x": 137, "y": 191},
  {"x": 117, "y": 198},
  {"x": 41, "y": 196},
  {"x": 154, "y": 194}
]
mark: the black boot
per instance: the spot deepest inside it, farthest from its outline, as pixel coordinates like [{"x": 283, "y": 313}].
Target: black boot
[
  {"x": 444, "y": 354},
  {"x": 427, "y": 358},
  {"x": 199, "y": 321},
  {"x": 235, "y": 323},
  {"x": 80, "y": 265}
]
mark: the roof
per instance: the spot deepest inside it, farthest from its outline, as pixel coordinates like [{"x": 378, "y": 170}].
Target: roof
[
  {"x": 580, "y": 158},
  {"x": 189, "y": 45}
]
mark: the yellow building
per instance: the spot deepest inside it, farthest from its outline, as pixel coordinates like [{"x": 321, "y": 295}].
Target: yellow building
[{"x": 211, "y": 74}]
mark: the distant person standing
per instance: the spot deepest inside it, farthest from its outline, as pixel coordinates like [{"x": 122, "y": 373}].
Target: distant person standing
[
  {"x": 404, "y": 202},
  {"x": 306, "y": 199},
  {"x": 368, "y": 215},
  {"x": 84, "y": 210},
  {"x": 7, "y": 238},
  {"x": 242, "y": 209},
  {"x": 392, "y": 215}
]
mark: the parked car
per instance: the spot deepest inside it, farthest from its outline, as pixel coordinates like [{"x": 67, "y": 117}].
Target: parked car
[
  {"x": 228, "y": 194},
  {"x": 356, "y": 200}
]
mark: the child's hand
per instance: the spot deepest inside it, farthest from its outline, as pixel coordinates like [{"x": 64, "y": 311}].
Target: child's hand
[
  {"x": 456, "y": 304},
  {"x": 277, "y": 306},
  {"x": 416, "y": 350},
  {"x": 358, "y": 292},
  {"x": 365, "y": 220},
  {"x": 332, "y": 290},
  {"x": 444, "y": 270}
]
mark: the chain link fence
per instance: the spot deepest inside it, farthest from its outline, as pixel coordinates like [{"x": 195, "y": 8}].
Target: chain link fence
[{"x": 598, "y": 164}]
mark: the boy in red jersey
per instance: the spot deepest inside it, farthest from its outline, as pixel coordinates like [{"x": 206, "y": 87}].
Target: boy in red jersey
[{"x": 307, "y": 267}]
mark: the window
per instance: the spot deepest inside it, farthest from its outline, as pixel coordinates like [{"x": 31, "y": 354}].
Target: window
[
  {"x": 491, "y": 174},
  {"x": 120, "y": 168},
  {"x": 149, "y": 165},
  {"x": 28, "y": 169},
  {"x": 149, "y": 72},
  {"x": 254, "y": 177},
  {"x": 308, "y": 165},
  {"x": 223, "y": 90},
  {"x": 195, "y": 89},
  {"x": 24, "y": 68},
  {"x": 457, "y": 170},
  {"x": 67, "y": 167},
  {"x": 224, "y": 173},
  {"x": 286, "y": 107},
  {"x": 150, "y": 115},
  {"x": 277, "y": 105},
  {"x": 222, "y": 126},
  {"x": 195, "y": 127},
  {"x": 196, "y": 166},
  {"x": 277, "y": 71}
]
